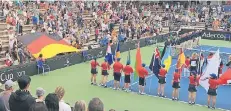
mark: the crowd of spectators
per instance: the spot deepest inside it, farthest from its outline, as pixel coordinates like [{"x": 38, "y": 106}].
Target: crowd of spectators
[
  {"x": 79, "y": 22},
  {"x": 22, "y": 100}
]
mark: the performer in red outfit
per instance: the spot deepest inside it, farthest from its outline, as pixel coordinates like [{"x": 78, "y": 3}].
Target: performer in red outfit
[
  {"x": 118, "y": 68},
  {"x": 193, "y": 83},
  {"x": 127, "y": 72},
  {"x": 105, "y": 67},
  {"x": 175, "y": 85},
  {"x": 162, "y": 81},
  {"x": 94, "y": 72}
]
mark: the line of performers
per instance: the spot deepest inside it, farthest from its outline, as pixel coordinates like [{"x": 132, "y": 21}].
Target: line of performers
[{"x": 118, "y": 68}]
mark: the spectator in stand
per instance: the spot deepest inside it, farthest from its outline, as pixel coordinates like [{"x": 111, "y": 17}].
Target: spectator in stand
[
  {"x": 80, "y": 106},
  {"x": 40, "y": 104},
  {"x": 5, "y": 95},
  {"x": 2, "y": 107},
  {"x": 95, "y": 105},
  {"x": 0, "y": 45},
  {"x": 52, "y": 102},
  {"x": 21, "y": 54},
  {"x": 40, "y": 94},
  {"x": 62, "y": 105},
  {"x": 21, "y": 100}
]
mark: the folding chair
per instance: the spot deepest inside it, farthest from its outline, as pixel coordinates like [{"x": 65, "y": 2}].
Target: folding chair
[{"x": 42, "y": 66}]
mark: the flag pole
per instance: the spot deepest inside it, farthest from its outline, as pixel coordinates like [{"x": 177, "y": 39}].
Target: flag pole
[
  {"x": 152, "y": 68},
  {"x": 153, "y": 73}
]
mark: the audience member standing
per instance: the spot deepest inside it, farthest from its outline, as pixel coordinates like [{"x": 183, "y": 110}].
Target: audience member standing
[
  {"x": 80, "y": 106},
  {"x": 95, "y": 105},
  {"x": 62, "y": 105},
  {"x": 52, "y": 102},
  {"x": 40, "y": 104},
  {"x": 5, "y": 95},
  {"x": 21, "y": 100},
  {"x": 2, "y": 107}
]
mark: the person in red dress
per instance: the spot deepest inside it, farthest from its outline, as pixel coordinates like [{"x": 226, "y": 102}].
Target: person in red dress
[
  {"x": 94, "y": 72},
  {"x": 127, "y": 72},
  {"x": 176, "y": 85},
  {"x": 193, "y": 83},
  {"x": 212, "y": 92},
  {"x": 162, "y": 81},
  {"x": 105, "y": 67},
  {"x": 118, "y": 68},
  {"x": 142, "y": 74}
]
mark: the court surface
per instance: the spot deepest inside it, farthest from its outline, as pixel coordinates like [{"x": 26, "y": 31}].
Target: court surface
[{"x": 76, "y": 81}]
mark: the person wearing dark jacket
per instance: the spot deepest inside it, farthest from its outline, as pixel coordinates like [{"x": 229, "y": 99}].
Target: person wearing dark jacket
[
  {"x": 21, "y": 100},
  {"x": 2, "y": 107}
]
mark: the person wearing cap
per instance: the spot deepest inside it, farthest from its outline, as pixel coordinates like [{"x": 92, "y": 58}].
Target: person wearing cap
[
  {"x": 193, "y": 82},
  {"x": 176, "y": 84},
  {"x": 118, "y": 68},
  {"x": 94, "y": 65},
  {"x": 212, "y": 92},
  {"x": 162, "y": 81},
  {"x": 143, "y": 72},
  {"x": 105, "y": 67},
  {"x": 5, "y": 95},
  {"x": 40, "y": 94},
  {"x": 21, "y": 100},
  {"x": 40, "y": 104},
  {"x": 127, "y": 72}
]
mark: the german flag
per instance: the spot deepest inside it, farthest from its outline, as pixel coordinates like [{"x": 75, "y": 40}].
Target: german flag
[{"x": 47, "y": 45}]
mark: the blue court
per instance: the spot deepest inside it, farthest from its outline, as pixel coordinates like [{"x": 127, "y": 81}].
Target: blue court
[{"x": 224, "y": 92}]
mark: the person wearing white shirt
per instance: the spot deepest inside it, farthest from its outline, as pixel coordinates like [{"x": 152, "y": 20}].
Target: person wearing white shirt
[{"x": 59, "y": 91}]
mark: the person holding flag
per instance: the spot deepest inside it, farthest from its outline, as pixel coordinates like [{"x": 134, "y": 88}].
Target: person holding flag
[
  {"x": 193, "y": 82},
  {"x": 118, "y": 68},
  {"x": 94, "y": 72},
  {"x": 162, "y": 81},
  {"x": 212, "y": 92},
  {"x": 176, "y": 84},
  {"x": 105, "y": 67},
  {"x": 143, "y": 72},
  {"x": 127, "y": 72}
]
